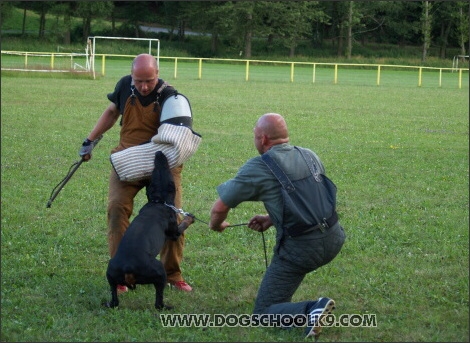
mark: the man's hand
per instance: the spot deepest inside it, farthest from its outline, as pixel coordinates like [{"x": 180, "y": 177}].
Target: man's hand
[
  {"x": 221, "y": 227},
  {"x": 219, "y": 212},
  {"x": 260, "y": 223},
  {"x": 85, "y": 150},
  {"x": 87, "y": 147}
]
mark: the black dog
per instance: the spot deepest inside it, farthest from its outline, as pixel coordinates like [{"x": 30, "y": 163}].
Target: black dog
[{"x": 135, "y": 260}]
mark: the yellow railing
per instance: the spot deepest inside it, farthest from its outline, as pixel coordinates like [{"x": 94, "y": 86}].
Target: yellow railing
[
  {"x": 90, "y": 65},
  {"x": 315, "y": 64}
]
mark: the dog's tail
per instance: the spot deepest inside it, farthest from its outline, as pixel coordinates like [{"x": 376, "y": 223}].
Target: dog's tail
[{"x": 130, "y": 280}]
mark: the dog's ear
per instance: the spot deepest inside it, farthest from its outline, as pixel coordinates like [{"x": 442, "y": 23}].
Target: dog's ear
[{"x": 162, "y": 186}]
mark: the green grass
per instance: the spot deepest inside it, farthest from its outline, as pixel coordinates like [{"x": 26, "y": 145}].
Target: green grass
[{"x": 398, "y": 154}]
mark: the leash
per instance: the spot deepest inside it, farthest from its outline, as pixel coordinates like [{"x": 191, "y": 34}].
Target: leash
[
  {"x": 265, "y": 252},
  {"x": 180, "y": 211}
]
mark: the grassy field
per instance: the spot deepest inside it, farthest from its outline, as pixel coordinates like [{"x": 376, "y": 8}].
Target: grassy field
[{"x": 398, "y": 154}]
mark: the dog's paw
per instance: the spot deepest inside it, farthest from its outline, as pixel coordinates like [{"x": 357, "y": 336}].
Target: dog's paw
[
  {"x": 189, "y": 218},
  {"x": 109, "y": 304},
  {"x": 186, "y": 222},
  {"x": 164, "y": 307}
]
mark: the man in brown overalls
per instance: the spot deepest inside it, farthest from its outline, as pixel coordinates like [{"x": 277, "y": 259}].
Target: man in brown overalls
[{"x": 138, "y": 98}]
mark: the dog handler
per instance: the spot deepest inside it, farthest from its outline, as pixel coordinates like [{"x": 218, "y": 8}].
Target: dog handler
[
  {"x": 294, "y": 255},
  {"x": 138, "y": 98}
]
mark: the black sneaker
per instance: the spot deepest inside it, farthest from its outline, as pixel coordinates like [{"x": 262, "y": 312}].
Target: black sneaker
[{"x": 322, "y": 308}]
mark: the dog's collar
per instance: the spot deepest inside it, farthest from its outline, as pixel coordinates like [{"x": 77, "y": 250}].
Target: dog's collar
[
  {"x": 158, "y": 202},
  {"x": 177, "y": 210}
]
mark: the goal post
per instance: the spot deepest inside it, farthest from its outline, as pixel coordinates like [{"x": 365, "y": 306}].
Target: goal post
[{"x": 92, "y": 42}]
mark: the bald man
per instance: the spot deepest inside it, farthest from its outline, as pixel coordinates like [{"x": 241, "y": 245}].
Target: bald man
[
  {"x": 137, "y": 99},
  {"x": 297, "y": 252}
]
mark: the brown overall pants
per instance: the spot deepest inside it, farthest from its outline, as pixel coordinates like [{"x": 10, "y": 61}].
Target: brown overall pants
[{"x": 139, "y": 125}]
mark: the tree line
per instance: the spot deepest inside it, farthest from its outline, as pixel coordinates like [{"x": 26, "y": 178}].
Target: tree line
[{"x": 440, "y": 24}]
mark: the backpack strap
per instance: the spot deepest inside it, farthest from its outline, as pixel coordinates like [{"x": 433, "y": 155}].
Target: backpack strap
[{"x": 278, "y": 172}]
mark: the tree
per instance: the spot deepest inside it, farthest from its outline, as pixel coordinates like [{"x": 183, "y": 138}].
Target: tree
[
  {"x": 175, "y": 17},
  {"x": 402, "y": 24},
  {"x": 25, "y": 5},
  {"x": 66, "y": 10},
  {"x": 214, "y": 18},
  {"x": 89, "y": 9},
  {"x": 240, "y": 24},
  {"x": 445, "y": 14},
  {"x": 303, "y": 13},
  {"x": 463, "y": 25},
  {"x": 5, "y": 9},
  {"x": 368, "y": 19},
  {"x": 23, "y": 28},
  {"x": 360, "y": 20},
  {"x": 426, "y": 21},
  {"x": 339, "y": 15},
  {"x": 350, "y": 27},
  {"x": 244, "y": 12},
  {"x": 42, "y": 8}
]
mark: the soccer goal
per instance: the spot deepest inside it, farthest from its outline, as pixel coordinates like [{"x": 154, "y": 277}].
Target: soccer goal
[
  {"x": 94, "y": 41},
  {"x": 48, "y": 62},
  {"x": 455, "y": 61}
]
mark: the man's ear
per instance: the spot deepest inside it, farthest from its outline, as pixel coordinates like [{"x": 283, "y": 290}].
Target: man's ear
[{"x": 264, "y": 140}]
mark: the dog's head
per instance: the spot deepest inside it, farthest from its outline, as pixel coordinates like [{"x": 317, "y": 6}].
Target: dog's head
[
  {"x": 162, "y": 187},
  {"x": 162, "y": 190}
]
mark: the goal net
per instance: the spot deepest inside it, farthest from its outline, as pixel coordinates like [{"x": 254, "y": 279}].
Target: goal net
[
  {"x": 117, "y": 45},
  {"x": 80, "y": 62},
  {"x": 44, "y": 61}
]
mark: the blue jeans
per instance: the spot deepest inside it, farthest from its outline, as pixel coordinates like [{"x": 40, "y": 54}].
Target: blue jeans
[{"x": 292, "y": 260}]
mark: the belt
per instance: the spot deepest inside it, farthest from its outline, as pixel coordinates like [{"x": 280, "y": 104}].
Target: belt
[
  {"x": 322, "y": 226},
  {"x": 327, "y": 223}
]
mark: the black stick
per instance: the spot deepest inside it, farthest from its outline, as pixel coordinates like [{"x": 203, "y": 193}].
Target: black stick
[
  {"x": 72, "y": 170},
  {"x": 62, "y": 183}
]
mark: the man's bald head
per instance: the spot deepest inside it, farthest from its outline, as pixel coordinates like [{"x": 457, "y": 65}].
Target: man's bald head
[
  {"x": 144, "y": 72},
  {"x": 270, "y": 129},
  {"x": 144, "y": 62},
  {"x": 273, "y": 126}
]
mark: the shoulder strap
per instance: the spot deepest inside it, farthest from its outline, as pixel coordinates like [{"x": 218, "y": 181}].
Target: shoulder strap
[
  {"x": 311, "y": 165},
  {"x": 278, "y": 172},
  {"x": 162, "y": 87},
  {"x": 282, "y": 177}
]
